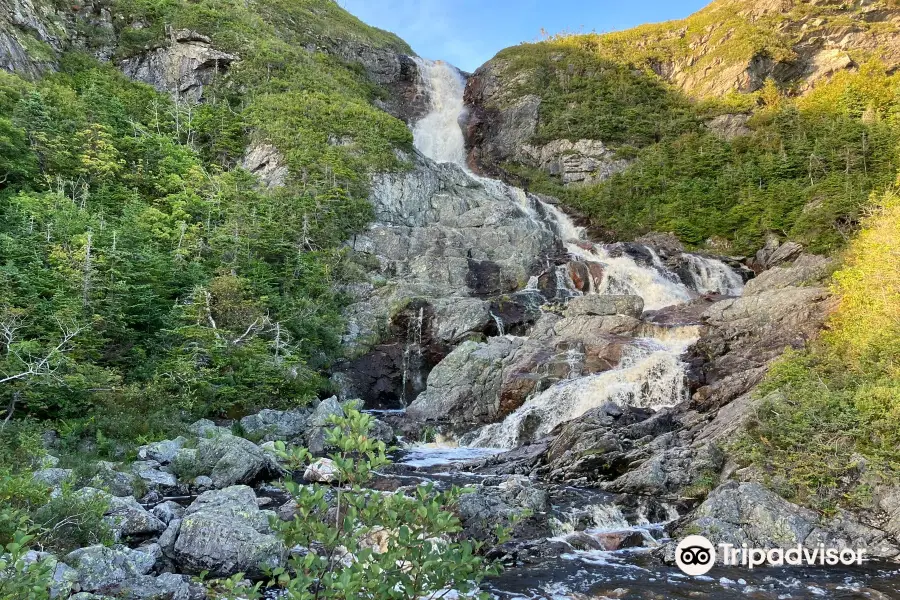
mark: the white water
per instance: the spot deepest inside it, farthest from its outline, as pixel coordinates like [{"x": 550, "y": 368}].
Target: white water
[
  {"x": 712, "y": 276},
  {"x": 652, "y": 374},
  {"x": 438, "y": 135}
]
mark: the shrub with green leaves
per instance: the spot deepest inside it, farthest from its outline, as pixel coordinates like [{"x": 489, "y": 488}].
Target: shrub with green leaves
[
  {"x": 368, "y": 544},
  {"x": 21, "y": 578}
]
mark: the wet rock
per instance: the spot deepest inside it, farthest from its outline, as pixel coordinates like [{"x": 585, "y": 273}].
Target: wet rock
[
  {"x": 271, "y": 425},
  {"x": 224, "y": 532},
  {"x": 516, "y": 496},
  {"x": 604, "y": 306},
  {"x": 229, "y": 460},
  {"x": 464, "y": 388}
]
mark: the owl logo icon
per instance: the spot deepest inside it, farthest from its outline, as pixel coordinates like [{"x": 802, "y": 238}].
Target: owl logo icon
[{"x": 695, "y": 555}]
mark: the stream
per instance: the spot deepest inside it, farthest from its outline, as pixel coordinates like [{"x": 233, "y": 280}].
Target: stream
[{"x": 650, "y": 375}]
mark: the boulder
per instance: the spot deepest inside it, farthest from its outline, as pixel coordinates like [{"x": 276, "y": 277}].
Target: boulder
[
  {"x": 154, "y": 479},
  {"x": 52, "y": 478},
  {"x": 319, "y": 422},
  {"x": 230, "y": 460},
  {"x": 272, "y": 425},
  {"x": 321, "y": 471},
  {"x": 224, "y": 532},
  {"x": 167, "y": 511},
  {"x": 125, "y": 516},
  {"x": 101, "y": 568},
  {"x": 204, "y": 428},
  {"x": 115, "y": 482},
  {"x": 162, "y": 452},
  {"x": 488, "y": 506},
  {"x": 747, "y": 513}
]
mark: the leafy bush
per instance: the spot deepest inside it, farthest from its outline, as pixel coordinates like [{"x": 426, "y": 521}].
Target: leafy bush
[
  {"x": 72, "y": 520},
  {"x": 369, "y": 544},
  {"x": 20, "y": 578}
]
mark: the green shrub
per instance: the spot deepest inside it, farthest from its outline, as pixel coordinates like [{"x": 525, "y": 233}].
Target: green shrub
[
  {"x": 402, "y": 546},
  {"x": 21, "y": 579},
  {"x": 71, "y": 520}
]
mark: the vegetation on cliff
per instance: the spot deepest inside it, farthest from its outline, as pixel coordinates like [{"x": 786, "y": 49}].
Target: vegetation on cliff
[
  {"x": 826, "y": 433},
  {"x": 802, "y": 168},
  {"x": 160, "y": 280}
]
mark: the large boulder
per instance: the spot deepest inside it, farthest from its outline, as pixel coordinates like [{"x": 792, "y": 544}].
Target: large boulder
[
  {"x": 230, "y": 460},
  {"x": 490, "y": 505},
  {"x": 125, "y": 516},
  {"x": 272, "y": 425},
  {"x": 162, "y": 452},
  {"x": 747, "y": 513},
  {"x": 103, "y": 569},
  {"x": 223, "y": 532}
]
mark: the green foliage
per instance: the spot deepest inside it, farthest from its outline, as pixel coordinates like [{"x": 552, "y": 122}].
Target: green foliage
[
  {"x": 368, "y": 544},
  {"x": 827, "y": 428},
  {"x": 804, "y": 171},
  {"x": 72, "y": 520},
  {"x": 20, "y": 578},
  {"x": 194, "y": 291},
  {"x": 586, "y": 96}
]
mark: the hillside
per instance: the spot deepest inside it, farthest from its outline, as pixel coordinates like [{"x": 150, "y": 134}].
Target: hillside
[
  {"x": 703, "y": 127},
  {"x": 131, "y": 214}
]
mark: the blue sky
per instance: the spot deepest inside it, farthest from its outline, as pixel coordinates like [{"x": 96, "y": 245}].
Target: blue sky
[{"x": 467, "y": 33}]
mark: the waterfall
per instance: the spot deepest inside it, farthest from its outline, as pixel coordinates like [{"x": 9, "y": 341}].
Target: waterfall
[
  {"x": 711, "y": 276},
  {"x": 438, "y": 135},
  {"x": 649, "y": 376}
]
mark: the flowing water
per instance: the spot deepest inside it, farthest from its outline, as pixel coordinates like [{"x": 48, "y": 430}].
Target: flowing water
[{"x": 650, "y": 375}]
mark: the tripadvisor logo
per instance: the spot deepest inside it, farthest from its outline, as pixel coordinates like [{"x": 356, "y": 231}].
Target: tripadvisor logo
[{"x": 695, "y": 555}]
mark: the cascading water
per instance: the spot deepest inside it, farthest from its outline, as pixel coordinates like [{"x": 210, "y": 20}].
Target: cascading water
[
  {"x": 650, "y": 375},
  {"x": 438, "y": 135},
  {"x": 711, "y": 276}
]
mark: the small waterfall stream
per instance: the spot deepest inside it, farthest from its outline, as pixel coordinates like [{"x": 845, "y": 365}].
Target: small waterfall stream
[{"x": 650, "y": 375}]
